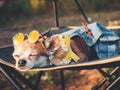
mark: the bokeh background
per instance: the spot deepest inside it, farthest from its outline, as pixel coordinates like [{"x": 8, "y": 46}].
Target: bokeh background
[{"x": 27, "y": 15}]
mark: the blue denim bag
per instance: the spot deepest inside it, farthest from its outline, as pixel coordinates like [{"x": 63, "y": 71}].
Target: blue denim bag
[
  {"x": 103, "y": 40},
  {"x": 107, "y": 45}
]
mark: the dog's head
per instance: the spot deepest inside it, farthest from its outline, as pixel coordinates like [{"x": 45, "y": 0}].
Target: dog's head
[
  {"x": 58, "y": 47},
  {"x": 53, "y": 43},
  {"x": 30, "y": 54}
]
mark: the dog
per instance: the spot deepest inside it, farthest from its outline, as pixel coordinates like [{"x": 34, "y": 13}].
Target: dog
[
  {"x": 48, "y": 51},
  {"x": 57, "y": 51}
]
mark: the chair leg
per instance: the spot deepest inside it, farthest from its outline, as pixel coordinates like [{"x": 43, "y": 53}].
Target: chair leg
[
  {"x": 11, "y": 78},
  {"x": 16, "y": 78},
  {"x": 113, "y": 83},
  {"x": 82, "y": 11},
  {"x": 108, "y": 77},
  {"x": 38, "y": 78},
  {"x": 62, "y": 79},
  {"x": 56, "y": 13}
]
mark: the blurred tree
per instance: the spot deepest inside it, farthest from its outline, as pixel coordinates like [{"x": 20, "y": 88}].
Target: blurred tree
[
  {"x": 14, "y": 10},
  {"x": 37, "y": 4}
]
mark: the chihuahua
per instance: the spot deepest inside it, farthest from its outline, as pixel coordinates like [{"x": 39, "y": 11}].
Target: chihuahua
[{"x": 48, "y": 51}]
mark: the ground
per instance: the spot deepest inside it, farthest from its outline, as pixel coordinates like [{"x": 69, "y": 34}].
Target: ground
[{"x": 81, "y": 80}]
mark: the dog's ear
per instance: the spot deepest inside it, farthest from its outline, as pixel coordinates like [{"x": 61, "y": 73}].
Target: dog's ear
[
  {"x": 52, "y": 43},
  {"x": 48, "y": 43},
  {"x": 42, "y": 39}
]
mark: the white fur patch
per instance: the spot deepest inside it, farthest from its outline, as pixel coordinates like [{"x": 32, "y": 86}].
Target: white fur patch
[
  {"x": 63, "y": 46},
  {"x": 41, "y": 62}
]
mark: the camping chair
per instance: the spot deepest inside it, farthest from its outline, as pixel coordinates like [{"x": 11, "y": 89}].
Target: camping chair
[
  {"x": 8, "y": 69},
  {"x": 7, "y": 65}
]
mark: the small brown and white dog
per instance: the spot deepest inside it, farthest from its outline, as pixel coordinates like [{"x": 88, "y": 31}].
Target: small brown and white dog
[{"x": 46, "y": 51}]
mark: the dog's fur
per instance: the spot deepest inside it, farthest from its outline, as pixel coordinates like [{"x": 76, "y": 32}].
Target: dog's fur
[{"x": 46, "y": 51}]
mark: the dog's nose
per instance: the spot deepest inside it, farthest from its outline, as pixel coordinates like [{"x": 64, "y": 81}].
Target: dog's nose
[{"x": 22, "y": 63}]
